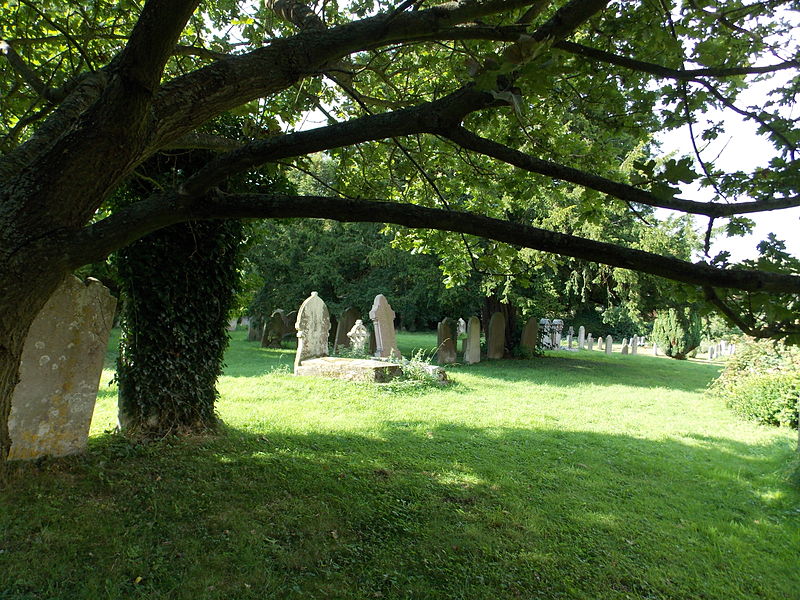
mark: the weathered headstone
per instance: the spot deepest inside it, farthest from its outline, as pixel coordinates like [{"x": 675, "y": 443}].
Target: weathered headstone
[
  {"x": 346, "y": 322},
  {"x": 496, "y": 337},
  {"x": 609, "y": 344},
  {"x": 545, "y": 333},
  {"x": 462, "y": 328},
  {"x": 472, "y": 353},
  {"x": 600, "y": 343},
  {"x": 274, "y": 329},
  {"x": 581, "y": 337},
  {"x": 255, "y": 329},
  {"x": 358, "y": 336},
  {"x": 625, "y": 347},
  {"x": 446, "y": 341},
  {"x": 569, "y": 341},
  {"x": 62, "y": 360},
  {"x": 382, "y": 317},
  {"x": 530, "y": 335},
  {"x": 313, "y": 325},
  {"x": 635, "y": 345},
  {"x": 557, "y": 326},
  {"x": 590, "y": 342}
]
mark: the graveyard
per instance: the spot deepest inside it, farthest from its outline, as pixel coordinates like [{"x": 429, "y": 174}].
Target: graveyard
[{"x": 574, "y": 475}]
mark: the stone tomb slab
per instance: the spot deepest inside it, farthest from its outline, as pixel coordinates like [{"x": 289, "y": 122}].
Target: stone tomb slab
[{"x": 349, "y": 369}]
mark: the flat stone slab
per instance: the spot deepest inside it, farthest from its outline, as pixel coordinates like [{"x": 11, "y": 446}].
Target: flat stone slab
[{"x": 349, "y": 369}]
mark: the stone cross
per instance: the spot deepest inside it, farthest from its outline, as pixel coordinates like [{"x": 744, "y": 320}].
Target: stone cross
[
  {"x": 530, "y": 335},
  {"x": 358, "y": 337},
  {"x": 446, "y": 342},
  {"x": 635, "y": 344},
  {"x": 472, "y": 352},
  {"x": 590, "y": 342},
  {"x": 609, "y": 344},
  {"x": 346, "y": 322},
  {"x": 313, "y": 324},
  {"x": 62, "y": 360},
  {"x": 496, "y": 337},
  {"x": 382, "y": 317},
  {"x": 581, "y": 337}
]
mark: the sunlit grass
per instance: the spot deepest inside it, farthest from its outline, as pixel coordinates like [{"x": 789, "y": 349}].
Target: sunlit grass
[{"x": 578, "y": 475}]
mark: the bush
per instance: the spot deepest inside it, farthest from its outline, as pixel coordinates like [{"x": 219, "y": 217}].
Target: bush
[
  {"x": 761, "y": 382},
  {"x": 677, "y": 332}
]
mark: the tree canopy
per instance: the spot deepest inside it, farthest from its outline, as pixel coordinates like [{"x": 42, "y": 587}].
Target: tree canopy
[{"x": 528, "y": 123}]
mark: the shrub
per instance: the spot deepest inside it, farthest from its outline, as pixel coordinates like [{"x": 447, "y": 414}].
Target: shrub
[
  {"x": 761, "y": 382},
  {"x": 677, "y": 332}
]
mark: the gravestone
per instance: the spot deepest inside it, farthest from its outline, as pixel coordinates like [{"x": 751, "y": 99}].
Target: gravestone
[
  {"x": 569, "y": 341},
  {"x": 557, "y": 326},
  {"x": 62, "y": 360},
  {"x": 590, "y": 342},
  {"x": 496, "y": 337},
  {"x": 462, "y": 328},
  {"x": 711, "y": 354},
  {"x": 581, "y": 337},
  {"x": 274, "y": 329},
  {"x": 382, "y": 317},
  {"x": 358, "y": 337},
  {"x": 472, "y": 351},
  {"x": 609, "y": 344},
  {"x": 255, "y": 329},
  {"x": 625, "y": 347},
  {"x": 232, "y": 323},
  {"x": 624, "y": 341},
  {"x": 655, "y": 349},
  {"x": 346, "y": 322},
  {"x": 446, "y": 341},
  {"x": 600, "y": 343},
  {"x": 530, "y": 335},
  {"x": 635, "y": 344},
  {"x": 313, "y": 325},
  {"x": 545, "y": 333}
]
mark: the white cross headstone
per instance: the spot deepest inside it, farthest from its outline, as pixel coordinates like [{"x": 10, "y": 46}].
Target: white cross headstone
[
  {"x": 359, "y": 337},
  {"x": 382, "y": 317}
]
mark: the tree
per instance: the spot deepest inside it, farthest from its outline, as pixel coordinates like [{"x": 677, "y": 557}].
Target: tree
[{"x": 567, "y": 94}]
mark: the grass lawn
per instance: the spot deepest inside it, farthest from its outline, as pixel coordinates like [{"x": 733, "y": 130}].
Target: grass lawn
[{"x": 577, "y": 475}]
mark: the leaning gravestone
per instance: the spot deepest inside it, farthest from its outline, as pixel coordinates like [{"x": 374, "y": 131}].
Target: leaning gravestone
[
  {"x": 382, "y": 317},
  {"x": 472, "y": 351},
  {"x": 346, "y": 322},
  {"x": 446, "y": 342},
  {"x": 496, "y": 337},
  {"x": 358, "y": 336},
  {"x": 530, "y": 335},
  {"x": 313, "y": 324},
  {"x": 581, "y": 337},
  {"x": 609, "y": 344},
  {"x": 62, "y": 360},
  {"x": 589, "y": 342}
]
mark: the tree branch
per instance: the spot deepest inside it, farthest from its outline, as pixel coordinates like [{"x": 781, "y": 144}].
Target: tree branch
[
  {"x": 665, "y": 72},
  {"x": 471, "y": 141},
  {"x": 98, "y": 240}
]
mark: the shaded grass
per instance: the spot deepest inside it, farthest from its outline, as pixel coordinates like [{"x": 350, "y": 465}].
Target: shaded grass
[{"x": 573, "y": 476}]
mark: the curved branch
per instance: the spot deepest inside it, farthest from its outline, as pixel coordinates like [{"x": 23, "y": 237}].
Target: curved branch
[
  {"x": 465, "y": 138},
  {"x": 665, "y": 72},
  {"x": 98, "y": 240}
]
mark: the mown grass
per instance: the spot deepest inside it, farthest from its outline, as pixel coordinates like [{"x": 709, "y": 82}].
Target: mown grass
[{"x": 573, "y": 476}]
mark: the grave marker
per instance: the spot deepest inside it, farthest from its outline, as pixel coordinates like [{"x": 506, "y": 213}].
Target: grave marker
[
  {"x": 313, "y": 326},
  {"x": 382, "y": 317}
]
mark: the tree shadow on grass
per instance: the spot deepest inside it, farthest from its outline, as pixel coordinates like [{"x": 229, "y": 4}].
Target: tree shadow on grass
[
  {"x": 404, "y": 512},
  {"x": 582, "y": 369}
]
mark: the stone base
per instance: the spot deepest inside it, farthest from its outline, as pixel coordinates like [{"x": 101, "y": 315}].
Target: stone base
[{"x": 349, "y": 369}]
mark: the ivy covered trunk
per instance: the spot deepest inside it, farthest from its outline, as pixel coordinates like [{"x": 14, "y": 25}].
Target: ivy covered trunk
[{"x": 178, "y": 285}]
